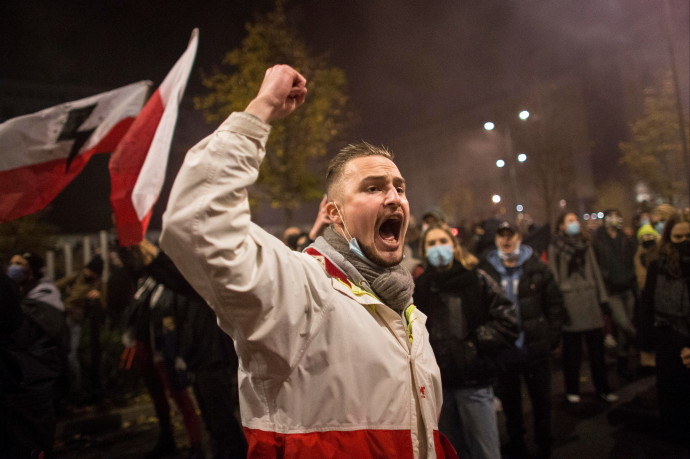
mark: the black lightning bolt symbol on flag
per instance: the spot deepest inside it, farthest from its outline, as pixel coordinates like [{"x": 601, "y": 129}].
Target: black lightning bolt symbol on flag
[{"x": 75, "y": 119}]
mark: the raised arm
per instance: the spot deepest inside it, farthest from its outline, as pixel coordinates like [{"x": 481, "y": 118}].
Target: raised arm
[{"x": 244, "y": 273}]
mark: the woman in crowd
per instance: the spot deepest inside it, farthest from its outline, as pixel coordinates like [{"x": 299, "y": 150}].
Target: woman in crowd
[
  {"x": 666, "y": 308},
  {"x": 574, "y": 265},
  {"x": 469, "y": 323}
]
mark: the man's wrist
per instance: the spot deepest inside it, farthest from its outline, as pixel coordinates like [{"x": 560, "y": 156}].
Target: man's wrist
[{"x": 260, "y": 109}]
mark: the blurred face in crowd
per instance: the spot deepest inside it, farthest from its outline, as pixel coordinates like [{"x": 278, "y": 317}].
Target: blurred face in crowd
[
  {"x": 18, "y": 269},
  {"x": 369, "y": 203},
  {"x": 439, "y": 248},
  {"x": 680, "y": 232},
  {"x": 507, "y": 240},
  {"x": 570, "y": 221},
  {"x": 613, "y": 220}
]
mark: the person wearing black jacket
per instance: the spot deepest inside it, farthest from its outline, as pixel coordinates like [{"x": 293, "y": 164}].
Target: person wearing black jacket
[
  {"x": 34, "y": 343},
  {"x": 210, "y": 357},
  {"x": 184, "y": 332},
  {"x": 469, "y": 323},
  {"x": 615, "y": 253},
  {"x": 531, "y": 286},
  {"x": 664, "y": 322}
]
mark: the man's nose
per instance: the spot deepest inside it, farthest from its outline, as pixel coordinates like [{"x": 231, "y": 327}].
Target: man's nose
[{"x": 392, "y": 197}]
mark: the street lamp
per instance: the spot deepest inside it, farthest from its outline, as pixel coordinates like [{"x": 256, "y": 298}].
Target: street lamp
[{"x": 510, "y": 156}]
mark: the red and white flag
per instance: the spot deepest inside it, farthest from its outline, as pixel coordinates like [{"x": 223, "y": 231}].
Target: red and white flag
[
  {"x": 137, "y": 168},
  {"x": 42, "y": 152}
]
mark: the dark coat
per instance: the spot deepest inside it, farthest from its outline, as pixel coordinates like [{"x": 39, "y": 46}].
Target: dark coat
[
  {"x": 540, "y": 304},
  {"x": 616, "y": 260},
  {"x": 468, "y": 361}
]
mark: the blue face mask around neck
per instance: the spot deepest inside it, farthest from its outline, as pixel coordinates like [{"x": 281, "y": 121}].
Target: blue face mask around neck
[
  {"x": 354, "y": 244},
  {"x": 439, "y": 255},
  {"x": 357, "y": 250}
]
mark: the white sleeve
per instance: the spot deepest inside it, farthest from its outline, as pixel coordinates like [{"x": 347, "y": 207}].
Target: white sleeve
[{"x": 265, "y": 296}]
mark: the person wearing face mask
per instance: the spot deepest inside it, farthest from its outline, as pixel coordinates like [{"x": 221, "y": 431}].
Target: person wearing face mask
[
  {"x": 530, "y": 285},
  {"x": 615, "y": 253},
  {"x": 334, "y": 359},
  {"x": 666, "y": 311},
  {"x": 470, "y": 323},
  {"x": 647, "y": 251},
  {"x": 574, "y": 265},
  {"x": 34, "y": 342}
]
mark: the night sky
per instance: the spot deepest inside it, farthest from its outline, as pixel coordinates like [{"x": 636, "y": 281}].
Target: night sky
[{"x": 410, "y": 65}]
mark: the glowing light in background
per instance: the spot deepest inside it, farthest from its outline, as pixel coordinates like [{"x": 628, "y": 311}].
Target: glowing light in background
[
  {"x": 495, "y": 199},
  {"x": 500, "y": 163},
  {"x": 489, "y": 126}
]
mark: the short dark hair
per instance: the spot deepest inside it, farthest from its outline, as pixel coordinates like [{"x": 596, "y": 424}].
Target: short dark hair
[{"x": 347, "y": 154}]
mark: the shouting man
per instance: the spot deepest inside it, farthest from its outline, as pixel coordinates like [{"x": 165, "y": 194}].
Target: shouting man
[{"x": 334, "y": 358}]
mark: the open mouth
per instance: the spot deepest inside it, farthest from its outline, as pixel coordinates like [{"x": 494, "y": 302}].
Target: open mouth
[{"x": 389, "y": 231}]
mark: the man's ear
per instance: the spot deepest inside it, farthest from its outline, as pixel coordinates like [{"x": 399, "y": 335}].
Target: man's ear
[{"x": 332, "y": 212}]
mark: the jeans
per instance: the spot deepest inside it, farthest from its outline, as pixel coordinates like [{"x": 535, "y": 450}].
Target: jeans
[
  {"x": 468, "y": 419},
  {"x": 622, "y": 306}
]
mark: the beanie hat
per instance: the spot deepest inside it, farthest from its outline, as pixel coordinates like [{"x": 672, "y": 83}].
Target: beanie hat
[
  {"x": 96, "y": 265},
  {"x": 646, "y": 230},
  {"x": 435, "y": 212}
]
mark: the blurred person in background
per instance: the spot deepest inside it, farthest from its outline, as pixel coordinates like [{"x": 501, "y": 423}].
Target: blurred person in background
[
  {"x": 660, "y": 214},
  {"x": 666, "y": 311},
  {"x": 470, "y": 322},
  {"x": 81, "y": 293},
  {"x": 647, "y": 251},
  {"x": 574, "y": 265},
  {"x": 615, "y": 253},
  {"x": 34, "y": 343},
  {"x": 153, "y": 330},
  {"x": 530, "y": 285}
]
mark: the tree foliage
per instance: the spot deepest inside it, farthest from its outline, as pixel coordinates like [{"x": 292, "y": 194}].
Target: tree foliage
[
  {"x": 654, "y": 155},
  {"x": 291, "y": 172},
  {"x": 26, "y": 233}
]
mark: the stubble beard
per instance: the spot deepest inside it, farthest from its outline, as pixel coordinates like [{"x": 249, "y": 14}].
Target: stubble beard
[{"x": 378, "y": 260}]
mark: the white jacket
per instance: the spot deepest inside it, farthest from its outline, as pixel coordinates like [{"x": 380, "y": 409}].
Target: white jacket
[{"x": 326, "y": 369}]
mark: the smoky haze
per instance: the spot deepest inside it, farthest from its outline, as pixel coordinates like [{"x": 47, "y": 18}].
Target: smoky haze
[{"x": 417, "y": 71}]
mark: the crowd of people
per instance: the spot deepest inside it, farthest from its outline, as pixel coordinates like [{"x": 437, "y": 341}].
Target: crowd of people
[{"x": 365, "y": 336}]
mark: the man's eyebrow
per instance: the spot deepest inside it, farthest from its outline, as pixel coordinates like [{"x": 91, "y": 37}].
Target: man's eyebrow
[{"x": 377, "y": 178}]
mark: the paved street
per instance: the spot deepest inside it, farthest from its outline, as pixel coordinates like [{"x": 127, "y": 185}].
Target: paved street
[{"x": 591, "y": 429}]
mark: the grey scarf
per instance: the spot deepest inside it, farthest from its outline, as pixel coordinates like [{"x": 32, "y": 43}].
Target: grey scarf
[{"x": 393, "y": 286}]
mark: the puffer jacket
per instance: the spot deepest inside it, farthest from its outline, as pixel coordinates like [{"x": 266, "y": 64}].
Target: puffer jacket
[
  {"x": 326, "y": 369},
  {"x": 540, "y": 302},
  {"x": 460, "y": 295}
]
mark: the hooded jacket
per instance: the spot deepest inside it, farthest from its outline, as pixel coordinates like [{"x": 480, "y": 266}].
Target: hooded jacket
[
  {"x": 326, "y": 369},
  {"x": 539, "y": 300}
]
